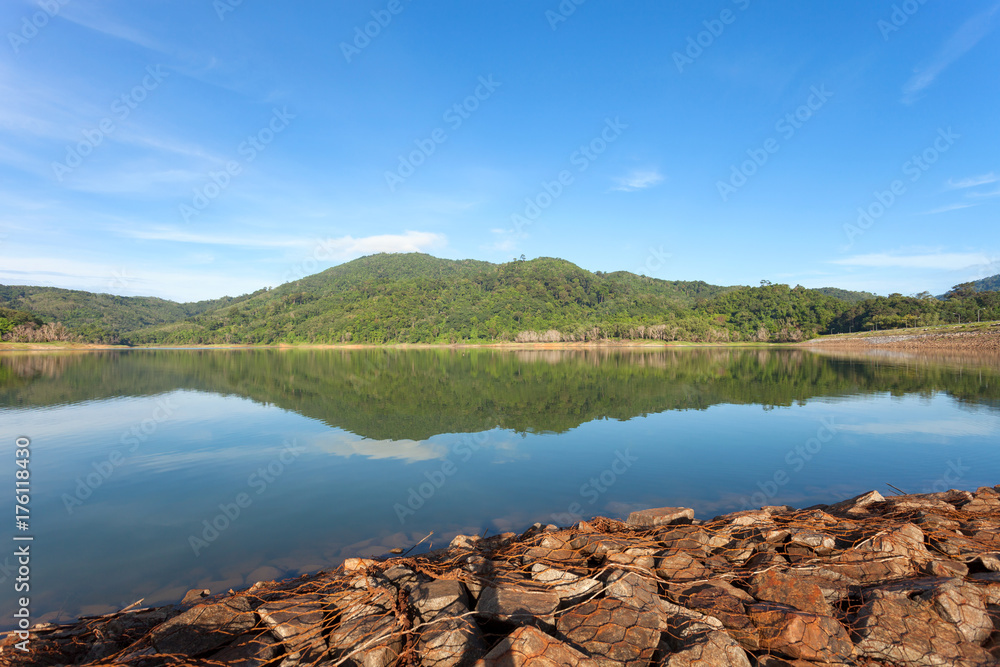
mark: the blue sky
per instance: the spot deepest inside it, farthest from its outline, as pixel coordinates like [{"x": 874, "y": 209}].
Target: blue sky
[{"x": 191, "y": 149}]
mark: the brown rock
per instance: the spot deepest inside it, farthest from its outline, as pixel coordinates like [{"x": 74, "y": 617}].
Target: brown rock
[
  {"x": 642, "y": 557},
  {"x": 530, "y": 647},
  {"x": 951, "y": 600},
  {"x": 661, "y": 516},
  {"x": 633, "y": 589},
  {"x": 706, "y": 648},
  {"x": 517, "y": 605},
  {"x": 204, "y": 628},
  {"x": 450, "y": 640},
  {"x": 763, "y": 559},
  {"x": 195, "y": 595},
  {"x": 906, "y": 632},
  {"x": 820, "y": 543},
  {"x": 789, "y": 589},
  {"x": 856, "y": 506},
  {"x": 690, "y": 539},
  {"x": 681, "y": 567},
  {"x": 358, "y": 564},
  {"x": 546, "y": 555},
  {"x": 799, "y": 634},
  {"x": 250, "y": 650},
  {"x": 432, "y": 597},
  {"x": 297, "y": 621},
  {"x": 724, "y": 602},
  {"x": 944, "y": 568},
  {"x": 870, "y": 568},
  {"x": 613, "y": 632},
  {"x": 991, "y": 561}
]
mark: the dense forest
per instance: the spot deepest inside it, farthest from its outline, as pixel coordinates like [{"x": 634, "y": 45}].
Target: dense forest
[{"x": 416, "y": 298}]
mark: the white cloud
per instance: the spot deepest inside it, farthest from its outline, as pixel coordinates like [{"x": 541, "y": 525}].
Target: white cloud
[
  {"x": 349, "y": 246},
  {"x": 947, "y": 261},
  {"x": 982, "y": 195},
  {"x": 973, "y": 181},
  {"x": 638, "y": 179},
  {"x": 960, "y": 42},
  {"x": 177, "y": 236}
]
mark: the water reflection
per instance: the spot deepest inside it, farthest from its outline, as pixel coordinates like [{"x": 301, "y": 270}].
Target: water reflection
[
  {"x": 390, "y": 394},
  {"x": 396, "y": 444}
]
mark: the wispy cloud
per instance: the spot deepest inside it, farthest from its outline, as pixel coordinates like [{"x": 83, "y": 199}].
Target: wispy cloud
[
  {"x": 410, "y": 241},
  {"x": 638, "y": 179},
  {"x": 982, "y": 195},
  {"x": 960, "y": 42},
  {"x": 178, "y": 236},
  {"x": 973, "y": 181},
  {"x": 949, "y": 207},
  {"x": 90, "y": 19},
  {"x": 951, "y": 261}
]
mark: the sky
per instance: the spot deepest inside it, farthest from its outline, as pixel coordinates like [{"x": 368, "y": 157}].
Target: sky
[{"x": 190, "y": 149}]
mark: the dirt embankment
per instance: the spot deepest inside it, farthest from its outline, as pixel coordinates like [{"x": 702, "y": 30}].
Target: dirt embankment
[{"x": 979, "y": 338}]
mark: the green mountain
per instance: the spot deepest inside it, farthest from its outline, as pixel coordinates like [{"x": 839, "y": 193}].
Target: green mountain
[
  {"x": 101, "y": 317},
  {"x": 991, "y": 284},
  {"x": 416, "y": 298},
  {"x": 845, "y": 295}
]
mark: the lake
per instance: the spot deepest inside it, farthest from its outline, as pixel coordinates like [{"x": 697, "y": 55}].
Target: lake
[{"x": 157, "y": 471}]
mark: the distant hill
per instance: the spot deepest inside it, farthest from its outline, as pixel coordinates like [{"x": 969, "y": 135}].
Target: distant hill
[
  {"x": 101, "y": 315},
  {"x": 845, "y": 295},
  {"x": 416, "y": 298},
  {"x": 991, "y": 284}
]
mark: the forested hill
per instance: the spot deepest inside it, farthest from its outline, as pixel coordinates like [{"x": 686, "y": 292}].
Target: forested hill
[
  {"x": 416, "y": 298},
  {"x": 97, "y": 316},
  {"x": 991, "y": 284}
]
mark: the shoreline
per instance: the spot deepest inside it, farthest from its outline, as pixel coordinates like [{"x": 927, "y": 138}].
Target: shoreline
[
  {"x": 907, "y": 580},
  {"x": 952, "y": 337}
]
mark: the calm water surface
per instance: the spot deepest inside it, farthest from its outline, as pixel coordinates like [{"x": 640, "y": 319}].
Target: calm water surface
[{"x": 157, "y": 471}]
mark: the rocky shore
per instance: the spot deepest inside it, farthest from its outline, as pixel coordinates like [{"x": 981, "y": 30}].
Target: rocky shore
[
  {"x": 903, "y": 580},
  {"x": 973, "y": 338}
]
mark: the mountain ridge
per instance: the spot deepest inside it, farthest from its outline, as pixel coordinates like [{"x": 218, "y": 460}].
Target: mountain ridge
[{"x": 417, "y": 298}]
